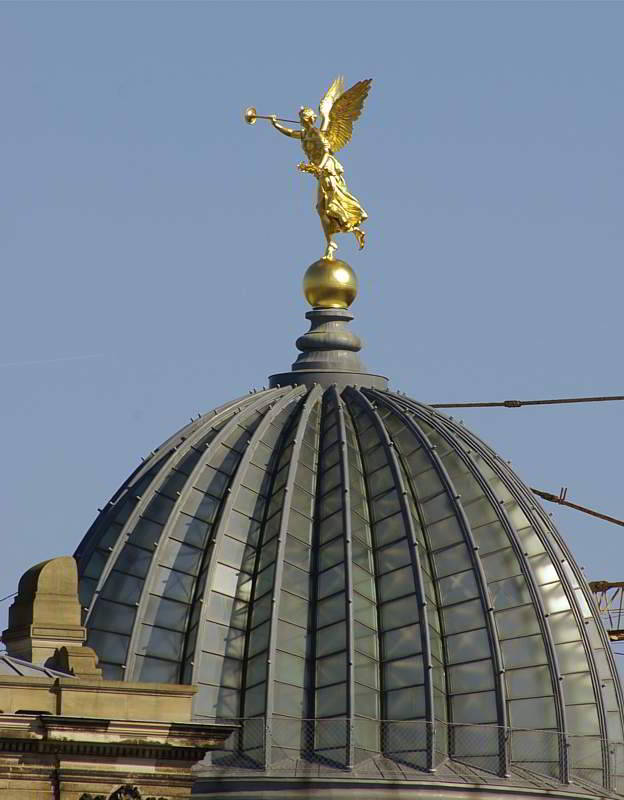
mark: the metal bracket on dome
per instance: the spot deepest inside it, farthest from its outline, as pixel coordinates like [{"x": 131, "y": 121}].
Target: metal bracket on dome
[{"x": 329, "y": 354}]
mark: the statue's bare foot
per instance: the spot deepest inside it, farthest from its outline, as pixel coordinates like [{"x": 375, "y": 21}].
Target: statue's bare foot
[
  {"x": 360, "y": 236},
  {"x": 331, "y": 249}
]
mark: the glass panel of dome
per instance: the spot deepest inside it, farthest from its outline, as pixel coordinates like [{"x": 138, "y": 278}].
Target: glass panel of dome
[
  {"x": 509, "y": 592},
  {"x": 331, "y": 669},
  {"x": 122, "y": 587},
  {"x": 173, "y": 484},
  {"x": 375, "y": 458},
  {"x": 289, "y": 668},
  {"x": 146, "y": 533},
  {"x": 160, "y": 642},
  {"x": 516, "y": 515},
  {"x": 451, "y": 559},
  {"x": 268, "y": 553},
  {"x": 225, "y": 580},
  {"x": 159, "y": 508},
  {"x": 544, "y": 569},
  {"x": 110, "y": 646},
  {"x": 389, "y": 529},
  {"x": 476, "y": 707},
  {"x": 366, "y": 670},
  {"x": 220, "y": 671},
  {"x": 302, "y": 501},
  {"x": 180, "y": 556},
  {"x": 297, "y": 553},
  {"x": 429, "y": 484},
  {"x": 393, "y": 556},
  {"x": 577, "y": 688},
  {"x": 527, "y": 651},
  {"x": 456, "y": 588},
  {"x": 532, "y": 713},
  {"x": 554, "y": 598},
  {"x": 307, "y": 456},
  {"x": 481, "y": 512},
  {"x": 405, "y": 440},
  {"x": 419, "y": 462},
  {"x": 520, "y": 621},
  {"x": 200, "y": 505},
  {"x": 405, "y": 703},
  {"x": 614, "y": 728},
  {"x": 469, "y": 646},
  {"x": 403, "y": 672},
  {"x": 262, "y": 456},
  {"x": 331, "y": 502},
  {"x": 165, "y": 613},
  {"x": 264, "y": 580},
  {"x": 529, "y": 682},
  {"x": 366, "y": 701},
  {"x": 110, "y": 616},
  {"x": 331, "y": 700},
  {"x": 153, "y": 670},
  {"x": 295, "y": 580},
  {"x": 330, "y": 610},
  {"x": 249, "y": 503},
  {"x": 572, "y": 657},
  {"x": 608, "y": 694},
  {"x": 463, "y": 617},
  {"x": 582, "y": 603},
  {"x": 531, "y": 544},
  {"x": 226, "y": 610},
  {"x": 331, "y": 527},
  {"x": 276, "y": 504},
  {"x": 254, "y": 700},
  {"x": 445, "y": 532},
  {"x": 437, "y": 508},
  {"x": 223, "y": 640},
  {"x": 502, "y": 564},
  {"x": 291, "y": 638},
  {"x": 364, "y": 610},
  {"x": 331, "y": 639},
  {"x": 331, "y": 553},
  {"x": 258, "y": 639},
  {"x": 380, "y": 481},
  {"x": 331, "y": 478},
  {"x": 395, "y": 584},
  {"x": 362, "y": 555},
  {"x": 256, "y": 669},
  {"x": 331, "y": 456},
  {"x": 133, "y": 560},
  {"x": 189, "y": 530},
  {"x": 399, "y": 612},
  {"x": 330, "y": 581},
  {"x": 305, "y": 478},
  {"x": 363, "y": 582},
  {"x": 401, "y": 642},
  {"x": 385, "y": 505},
  {"x": 475, "y": 676},
  {"x": 366, "y": 640}
]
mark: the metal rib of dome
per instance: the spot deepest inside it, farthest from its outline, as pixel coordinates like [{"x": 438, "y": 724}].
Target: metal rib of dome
[{"x": 317, "y": 553}]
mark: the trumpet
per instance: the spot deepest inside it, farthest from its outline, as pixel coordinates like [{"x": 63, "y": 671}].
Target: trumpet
[{"x": 250, "y": 116}]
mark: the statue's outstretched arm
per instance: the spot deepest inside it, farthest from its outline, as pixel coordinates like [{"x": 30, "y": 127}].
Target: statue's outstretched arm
[{"x": 283, "y": 129}]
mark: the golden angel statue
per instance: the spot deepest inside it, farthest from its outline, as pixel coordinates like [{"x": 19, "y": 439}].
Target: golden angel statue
[{"x": 339, "y": 210}]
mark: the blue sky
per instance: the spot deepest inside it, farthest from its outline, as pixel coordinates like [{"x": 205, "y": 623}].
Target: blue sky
[{"x": 152, "y": 245}]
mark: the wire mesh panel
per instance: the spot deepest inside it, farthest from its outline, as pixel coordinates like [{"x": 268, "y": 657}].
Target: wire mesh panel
[{"x": 315, "y": 747}]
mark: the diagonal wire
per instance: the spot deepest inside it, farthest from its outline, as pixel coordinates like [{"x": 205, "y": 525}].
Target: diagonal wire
[{"x": 519, "y": 403}]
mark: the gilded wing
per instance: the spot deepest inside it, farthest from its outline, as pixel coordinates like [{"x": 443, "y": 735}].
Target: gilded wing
[
  {"x": 343, "y": 113},
  {"x": 325, "y": 106}
]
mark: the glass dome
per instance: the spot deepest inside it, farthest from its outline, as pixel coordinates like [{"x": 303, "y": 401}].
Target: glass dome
[{"x": 322, "y": 553}]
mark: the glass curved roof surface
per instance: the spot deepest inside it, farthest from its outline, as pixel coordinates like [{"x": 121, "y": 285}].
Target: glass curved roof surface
[{"x": 309, "y": 553}]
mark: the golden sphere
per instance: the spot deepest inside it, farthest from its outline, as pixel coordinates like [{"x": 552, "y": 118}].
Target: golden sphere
[{"x": 329, "y": 283}]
